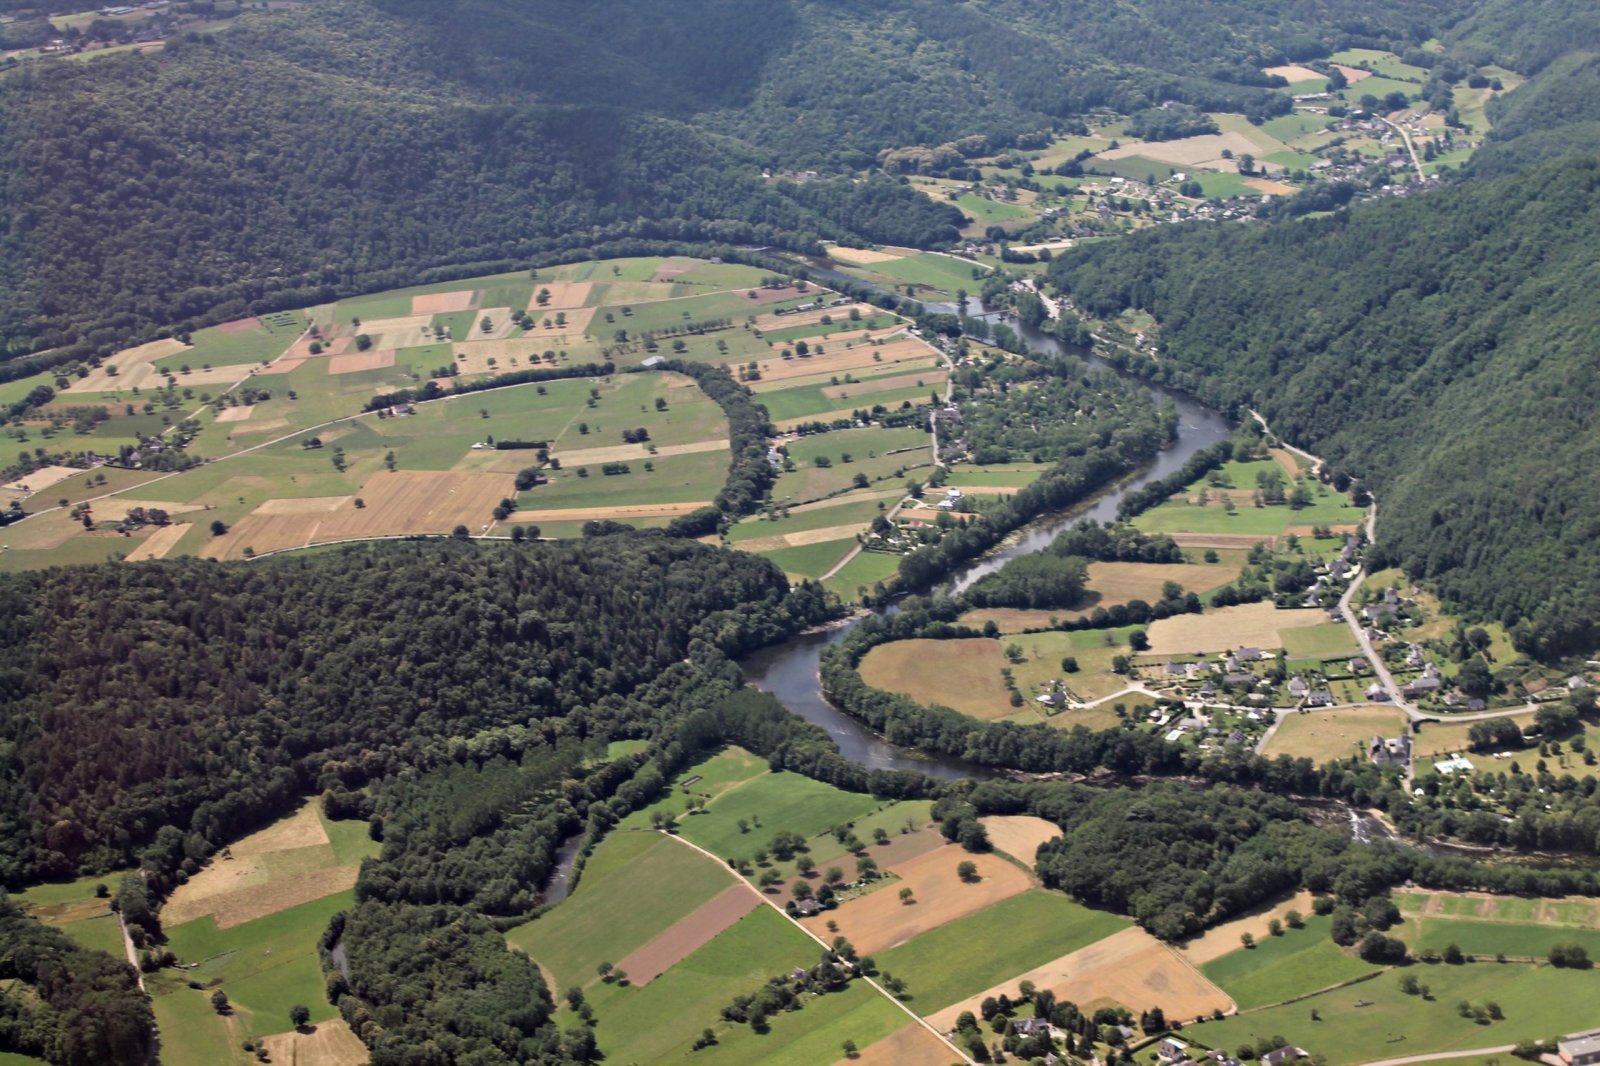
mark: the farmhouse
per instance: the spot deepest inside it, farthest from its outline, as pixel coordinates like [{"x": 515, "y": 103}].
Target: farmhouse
[
  {"x": 1054, "y": 699},
  {"x": 1320, "y": 698},
  {"x": 1170, "y": 1050},
  {"x": 1031, "y": 1027},
  {"x": 1282, "y": 1055},
  {"x": 1453, "y": 764},
  {"x": 1298, "y": 687},
  {"x": 1376, "y": 693},
  {"x": 1392, "y": 752},
  {"x": 1581, "y": 1051}
]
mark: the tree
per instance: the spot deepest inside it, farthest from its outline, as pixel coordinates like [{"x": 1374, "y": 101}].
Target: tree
[
  {"x": 604, "y": 970},
  {"x": 218, "y": 528},
  {"x": 219, "y": 1002},
  {"x": 299, "y": 1016},
  {"x": 1247, "y": 939},
  {"x": 1275, "y": 927},
  {"x": 849, "y": 1047},
  {"x": 461, "y": 533},
  {"x": 834, "y": 875},
  {"x": 967, "y": 871},
  {"x": 905, "y": 895},
  {"x": 805, "y": 864}
]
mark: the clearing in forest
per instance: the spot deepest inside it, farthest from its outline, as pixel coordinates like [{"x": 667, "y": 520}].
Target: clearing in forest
[
  {"x": 1222, "y": 939},
  {"x": 1131, "y": 969},
  {"x": 880, "y": 920},
  {"x": 1019, "y": 835},
  {"x": 326, "y": 1044}
]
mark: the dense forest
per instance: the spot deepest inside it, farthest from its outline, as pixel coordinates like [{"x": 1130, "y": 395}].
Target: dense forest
[
  {"x": 1439, "y": 348},
  {"x": 145, "y": 192}
]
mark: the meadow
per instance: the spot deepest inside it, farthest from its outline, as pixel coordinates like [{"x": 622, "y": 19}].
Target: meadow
[
  {"x": 1279, "y": 968},
  {"x": 1328, "y": 736}
]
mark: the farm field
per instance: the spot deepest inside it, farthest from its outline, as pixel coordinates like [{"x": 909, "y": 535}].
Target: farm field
[
  {"x": 1328, "y": 736},
  {"x": 1250, "y": 625},
  {"x": 1374, "y": 1020},
  {"x": 1017, "y": 934},
  {"x": 1330, "y": 640},
  {"x": 1111, "y": 583},
  {"x": 880, "y": 920},
  {"x": 608, "y": 916},
  {"x": 1019, "y": 835},
  {"x": 1282, "y": 967},
  {"x": 1524, "y": 939},
  {"x": 1130, "y": 968},
  {"x": 1223, "y": 939},
  {"x": 860, "y": 574}
]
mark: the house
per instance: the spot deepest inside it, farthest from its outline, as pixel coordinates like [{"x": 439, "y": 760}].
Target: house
[
  {"x": 1176, "y": 670},
  {"x": 1238, "y": 679},
  {"x": 1298, "y": 687},
  {"x": 1393, "y": 752},
  {"x": 1378, "y": 612},
  {"x": 1377, "y": 693},
  {"x": 656, "y": 360},
  {"x": 1054, "y": 699},
  {"x": 807, "y": 907},
  {"x": 1320, "y": 698},
  {"x": 1413, "y": 657},
  {"x": 1420, "y": 686},
  {"x": 1170, "y": 1050},
  {"x": 1222, "y": 1058},
  {"x": 1236, "y": 739},
  {"x": 1282, "y": 1055},
  {"x": 1577, "y": 681},
  {"x": 1207, "y": 691},
  {"x": 1031, "y": 1027},
  {"x": 1580, "y": 1051},
  {"x": 1357, "y": 666},
  {"x": 1250, "y": 655},
  {"x": 1231, "y": 664},
  {"x": 1454, "y": 764}
]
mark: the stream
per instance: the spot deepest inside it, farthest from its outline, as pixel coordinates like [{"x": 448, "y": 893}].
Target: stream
[{"x": 790, "y": 670}]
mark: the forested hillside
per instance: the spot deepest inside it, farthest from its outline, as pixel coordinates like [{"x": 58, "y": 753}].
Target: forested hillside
[
  {"x": 206, "y": 697},
  {"x": 1442, "y": 348},
  {"x": 355, "y": 144}
]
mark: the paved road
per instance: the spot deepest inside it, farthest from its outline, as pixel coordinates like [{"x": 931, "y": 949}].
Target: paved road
[
  {"x": 1415, "y": 162},
  {"x": 1504, "y": 1049},
  {"x": 769, "y": 901}
]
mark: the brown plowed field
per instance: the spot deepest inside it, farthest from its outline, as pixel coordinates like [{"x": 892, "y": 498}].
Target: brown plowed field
[
  {"x": 813, "y": 317},
  {"x": 689, "y": 933},
  {"x": 240, "y": 325},
  {"x": 835, "y": 360},
  {"x": 1130, "y": 968},
  {"x": 879, "y": 921},
  {"x": 397, "y": 503},
  {"x": 900, "y": 849},
  {"x": 911, "y": 1046},
  {"x": 1019, "y": 835},
  {"x": 440, "y": 303},
  {"x": 563, "y": 294},
  {"x": 618, "y": 514},
  {"x": 1223, "y": 939}
]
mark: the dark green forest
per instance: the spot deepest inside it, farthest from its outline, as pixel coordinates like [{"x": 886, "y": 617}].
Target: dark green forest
[{"x": 1439, "y": 348}]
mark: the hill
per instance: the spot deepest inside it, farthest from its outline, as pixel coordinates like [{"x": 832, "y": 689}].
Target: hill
[
  {"x": 1437, "y": 347},
  {"x": 358, "y": 144}
]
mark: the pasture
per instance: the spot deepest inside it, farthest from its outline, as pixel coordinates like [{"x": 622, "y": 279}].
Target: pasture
[
  {"x": 1328, "y": 736},
  {"x": 1279, "y": 968},
  {"x": 1330, "y": 640},
  {"x": 1027, "y": 930},
  {"x": 1019, "y": 835},
  {"x": 1375, "y": 1020}
]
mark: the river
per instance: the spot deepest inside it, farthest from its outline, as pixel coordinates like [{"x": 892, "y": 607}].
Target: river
[{"x": 790, "y": 670}]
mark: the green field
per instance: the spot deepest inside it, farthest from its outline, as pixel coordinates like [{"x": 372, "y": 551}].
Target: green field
[
  {"x": 1514, "y": 939},
  {"x": 633, "y": 888},
  {"x": 862, "y": 511},
  {"x": 780, "y": 801},
  {"x": 866, "y": 569},
  {"x": 1326, "y": 641},
  {"x": 1224, "y": 186},
  {"x": 1282, "y": 967},
  {"x": 1014, "y": 936},
  {"x": 1374, "y": 1020},
  {"x": 194, "y": 1034},
  {"x": 813, "y": 1036},
  {"x": 658, "y": 1022},
  {"x": 811, "y": 560}
]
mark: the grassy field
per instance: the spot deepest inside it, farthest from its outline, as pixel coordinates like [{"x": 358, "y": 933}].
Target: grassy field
[
  {"x": 811, "y": 1037},
  {"x": 940, "y": 967},
  {"x": 1327, "y": 736},
  {"x": 863, "y": 572},
  {"x": 777, "y": 801},
  {"x": 1249, "y": 625},
  {"x": 1329, "y": 641},
  {"x": 633, "y": 888},
  {"x": 1283, "y": 967},
  {"x": 1375, "y": 1020},
  {"x": 658, "y": 1022},
  {"x": 1514, "y": 939}
]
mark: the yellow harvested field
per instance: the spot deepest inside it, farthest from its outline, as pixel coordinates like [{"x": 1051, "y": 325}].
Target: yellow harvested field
[
  {"x": 1189, "y": 151},
  {"x": 1293, "y": 73},
  {"x": 1121, "y": 582},
  {"x": 1019, "y": 835},
  {"x": 116, "y": 508},
  {"x": 284, "y": 865},
  {"x": 1250, "y": 625},
  {"x": 618, "y": 514},
  {"x": 624, "y": 452},
  {"x": 265, "y": 426},
  {"x": 352, "y": 362},
  {"x": 286, "y": 365},
  {"x": 159, "y": 543},
  {"x": 1270, "y": 187},
  {"x": 324, "y": 1044},
  {"x": 1223, "y": 939},
  {"x": 1328, "y": 736},
  {"x": 305, "y": 505},
  {"x": 38, "y": 481},
  {"x": 862, "y": 256},
  {"x": 824, "y": 377},
  {"x": 1286, "y": 459},
  {"x": 960, "y": 674},
  {"x": 1130, "y": 968},
  {"x": 574, "y": 323},
  {"x": 439, "y": 303},
  {"x": 837, "y": 360},
  {"x": 136, "y": 368},
  {"x": 1352, "y": 74},
  {"x": 801, "y": 538},
  {"x": 563, "y": 294},
  {"x": 405, "y": 331},
  {"x": 398, "y": 503},
  {"x": 911, "y": 1046},
  {"x": 235, "y": 414},
  {"x": 878, "y": 920},
  {"x": 43, "y": 531}
]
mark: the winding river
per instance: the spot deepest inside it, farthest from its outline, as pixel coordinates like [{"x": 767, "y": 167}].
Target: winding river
[{"x": 790, "y": 670}]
